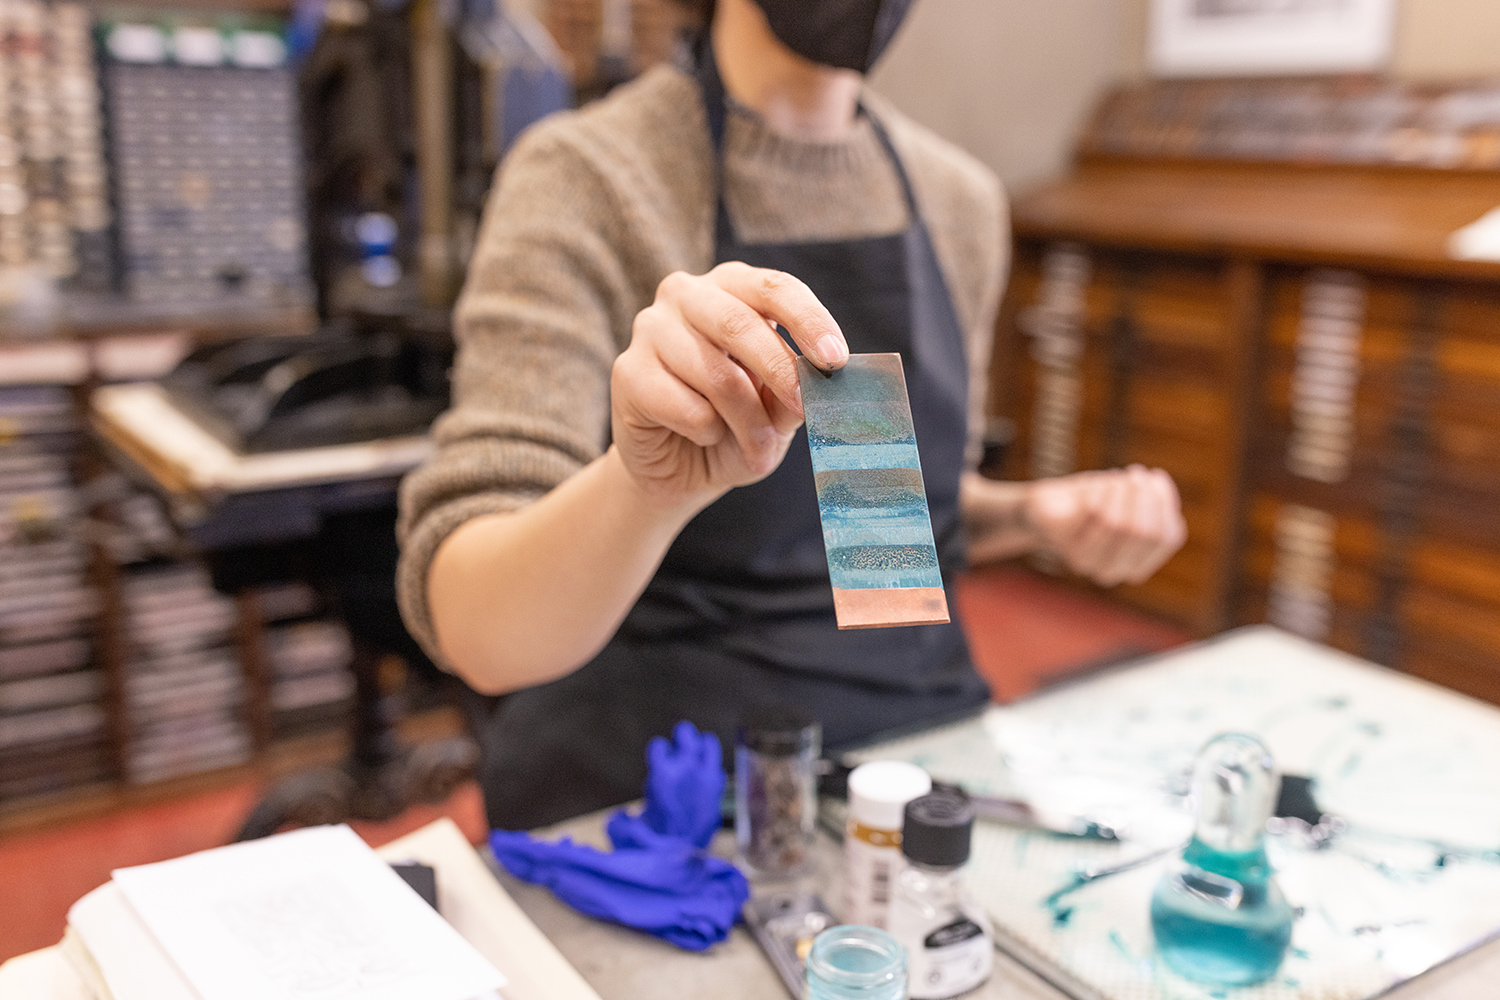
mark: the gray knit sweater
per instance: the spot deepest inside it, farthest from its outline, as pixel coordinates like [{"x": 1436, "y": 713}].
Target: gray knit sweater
[{"x": 590, "y": 211}]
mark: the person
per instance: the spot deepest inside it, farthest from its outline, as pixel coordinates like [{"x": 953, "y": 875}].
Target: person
[{"x": 619, "y": 526}]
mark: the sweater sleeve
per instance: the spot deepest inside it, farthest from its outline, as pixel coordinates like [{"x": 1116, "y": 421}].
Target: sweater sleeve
[{"x": 538, "y": 327}]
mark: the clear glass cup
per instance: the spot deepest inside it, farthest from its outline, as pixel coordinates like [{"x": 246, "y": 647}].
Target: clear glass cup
[{"x": 850, "y": 962}]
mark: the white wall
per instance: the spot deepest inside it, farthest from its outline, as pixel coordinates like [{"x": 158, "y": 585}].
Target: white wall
[
  {"x": 1010, "y": 80},
  {"x": 1435, "y": 39}
]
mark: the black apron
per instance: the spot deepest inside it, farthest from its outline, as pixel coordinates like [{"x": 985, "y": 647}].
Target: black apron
[{"x": 741, "y": 610}]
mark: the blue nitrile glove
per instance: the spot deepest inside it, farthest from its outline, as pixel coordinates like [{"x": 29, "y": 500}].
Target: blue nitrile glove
[
  {"x": 684, "y": 785},
  {"x": 676, "y": 893},
  {"x": 658, "y": 878}
]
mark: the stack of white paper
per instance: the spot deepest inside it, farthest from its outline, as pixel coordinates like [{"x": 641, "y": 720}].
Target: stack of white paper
[
  {"x": 1479, "y": 240},
  {"x": 308, "y": 915}
]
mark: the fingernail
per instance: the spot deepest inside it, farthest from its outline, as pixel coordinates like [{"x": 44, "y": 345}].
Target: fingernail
[{"x": 830, "y": 350}]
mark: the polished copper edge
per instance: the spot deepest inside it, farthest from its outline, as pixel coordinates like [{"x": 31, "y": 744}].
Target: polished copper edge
[{"x": 888, "y": 607}]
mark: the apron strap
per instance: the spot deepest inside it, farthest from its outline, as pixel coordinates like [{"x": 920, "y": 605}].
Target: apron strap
[
  {"x": 901, "y": 175},
  {"x": 712, "y": 85}
]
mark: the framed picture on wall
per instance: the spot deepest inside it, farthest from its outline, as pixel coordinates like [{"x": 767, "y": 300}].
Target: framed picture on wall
[{"x": 1269, "y": 37}]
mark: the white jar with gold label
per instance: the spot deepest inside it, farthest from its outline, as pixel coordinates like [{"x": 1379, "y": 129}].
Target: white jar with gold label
[{"x": 878, "y": 794}]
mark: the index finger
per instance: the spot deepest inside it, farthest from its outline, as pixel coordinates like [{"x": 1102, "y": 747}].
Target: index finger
[{"x": 787, "y": 300}]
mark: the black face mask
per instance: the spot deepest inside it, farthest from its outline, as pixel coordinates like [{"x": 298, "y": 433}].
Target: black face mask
[{"x": 849, "y": 34}]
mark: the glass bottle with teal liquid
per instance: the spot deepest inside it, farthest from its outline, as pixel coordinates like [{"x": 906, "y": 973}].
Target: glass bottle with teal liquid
[{"x": 1219, "y": 916}]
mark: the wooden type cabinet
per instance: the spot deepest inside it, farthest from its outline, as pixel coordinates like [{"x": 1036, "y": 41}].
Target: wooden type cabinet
[
  {"x": 1132, "y": 365},
  {"x": 82, "y": 693},
  {"x": 1398, "y": 555},
  {"x": 1292, "y": 340}
]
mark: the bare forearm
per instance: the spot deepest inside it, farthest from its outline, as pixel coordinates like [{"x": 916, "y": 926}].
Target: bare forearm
[
  {"x": 524, "y": 598},
  {"x": 1112, "y": 526},
  {"x": 704, "y": 399},
  {"x": 995, "y": 518}
]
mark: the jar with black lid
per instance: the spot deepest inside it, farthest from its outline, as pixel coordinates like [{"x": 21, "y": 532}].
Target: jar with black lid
[{"x": 948, "y": 939}]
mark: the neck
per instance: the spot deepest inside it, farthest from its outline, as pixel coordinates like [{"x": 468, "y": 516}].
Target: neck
[{"x": 794, "y": 97}]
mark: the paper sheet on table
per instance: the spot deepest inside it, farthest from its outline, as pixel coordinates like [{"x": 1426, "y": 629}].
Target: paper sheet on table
[
  {"x": 1407, "y": 762},
  {"x": 107, "y": 941},
  {"x": 1479, "y": 240},
  {"x": 43, "y": 975},
  {"x": 308, "y": 915}
]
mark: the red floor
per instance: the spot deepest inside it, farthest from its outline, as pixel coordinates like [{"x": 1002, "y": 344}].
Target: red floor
[
  {"x": 1024, "y": 630},
  {"x": 1027, "y": 631}
]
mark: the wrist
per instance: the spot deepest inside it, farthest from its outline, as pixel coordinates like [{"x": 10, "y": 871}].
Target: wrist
[
  {"x": 667, "y": 508},
  {"x": 1025, "y": 524},
  {"x": 1001, "y": 509}
]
